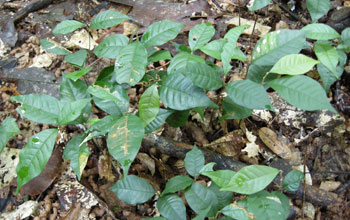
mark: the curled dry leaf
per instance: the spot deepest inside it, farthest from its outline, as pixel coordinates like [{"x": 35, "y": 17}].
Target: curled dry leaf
[
  {"x": 279, "y": 145},
  {"x": 251, "y": 148},
  {"x": 104, "y": 167}
]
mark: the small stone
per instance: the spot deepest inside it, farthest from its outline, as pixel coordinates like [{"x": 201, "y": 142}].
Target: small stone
[{"x": 309, "y": 210}]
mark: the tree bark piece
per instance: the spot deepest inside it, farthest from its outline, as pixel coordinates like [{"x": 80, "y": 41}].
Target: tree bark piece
[{"x": 176, "y": 149}]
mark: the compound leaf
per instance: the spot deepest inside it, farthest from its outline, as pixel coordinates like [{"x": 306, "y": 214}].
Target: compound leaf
[
  {"x": 34, "y": 156},
  {"x": 67, "y": 26},
  {"x": 111, "y": 46},
  {"x": 107, "y": 19},
  {"x": 8, "y": 128},
  {"x": 200, "y": 35}
]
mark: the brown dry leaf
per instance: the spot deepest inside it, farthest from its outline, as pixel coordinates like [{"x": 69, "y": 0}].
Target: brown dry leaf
[
  {"x": 228, "y": 145},
  {"x": 104, "y": 167},
  {"x": 148, "y": 161},
  {"x": 9, "y": 159},
  {"x": 251, "y": 148},
  {"x": 330, "y": 186},
  {"x": 197, "y": 133},
  {"x": 23, "y": 211},
  {"x": 40, "y": 183},
  {"x": 259, "y": 30},
  {"x": 279, "y": 145}
]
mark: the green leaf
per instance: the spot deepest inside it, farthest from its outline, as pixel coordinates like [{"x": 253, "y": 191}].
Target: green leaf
[
  {"x": 318, "y": 8},
  {"x": 172, "y": 207},
  {"x": 258, "y": 4},
  {"x": 248, "y": 94},
  {"x": 78, "y": 153},
  {"x": 178, "y": 92},
  {"x": 233, "y": 34},
  {"x": 236, "y": 211},
  {"x": 67, "y": 26},
  {"x": 266, "y": 206},
  {"x": 108, "y": 19},
  {"x": 160, "y": 55},
  {"x": 327, "y": 77},
  {"x": 8, "y": 128},
  {"x": 178, "y": 118},
  {"x": 220, "y": 177},
  {"x": 234, "y": 111},
  {"x": 302, "y": 92},
  {"x": 161, "y": 32},
  {"x": 149, "y": 105},
  {"x": 294, "y": 64},
  {"x": 182, "y": 60},
  {"x": 200, "y": 198},
  {"x": 318, "y": 31},
  {"x": 104, "y": 93},
  {"x": 53, "y": 47},
  {"x": 200, "y": 35},
  {"x": 292, "y": 180},
  {"x": 133, "y": 190},
  {"x": 71, "y": 111},
  {"x": 180, "y": 47},
  {"x": 39, "y": 108},
  {"x": 284, "y": 202},
  {"x": 158, "y": 121},
  {"x": 103, "y": 126},
  {"x": 327, "y": 54},
  {"x": 224, "y": 197},
  {"x": 251, "y": 179},
  {"x": 111, "y": 46},
  {"x": 194, "y": 161},
  {"x": 177, "y": 183},
  {"x": 207, "y": 167},
  {"x": 77, "y": 74},
  {"x": 202, "y": 75},
  {"x": 78, "y": 58},
  {"x": 226, "y": 56},
  {"x": 124, "y": 140},
  {"x": 106, "y": 76},
  {"x": 111, "y": 105},
  {"x": 345, "y": 40},
  {"x": 130, "y": 64},
  {"x": 34, "y": 156},
  {"x": 270, "y": 48},
  {"x": 214, "y": 48}
]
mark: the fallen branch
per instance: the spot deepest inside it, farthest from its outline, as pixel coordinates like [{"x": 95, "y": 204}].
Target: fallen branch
[
  {"x": 314, "y": 195},
  {"x": 35, "y": 6}
]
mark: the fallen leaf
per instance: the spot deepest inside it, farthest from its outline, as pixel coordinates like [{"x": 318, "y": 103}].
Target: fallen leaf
[
  {"x": 278, "y": 145},
  {"x": 9, "y": 159},
  {"x": 259, "y": 29},
  {"x": 330, "y": 186}
]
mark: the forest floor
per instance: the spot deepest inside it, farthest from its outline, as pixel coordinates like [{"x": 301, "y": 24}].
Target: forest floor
[{"x": 321, "y": 145}]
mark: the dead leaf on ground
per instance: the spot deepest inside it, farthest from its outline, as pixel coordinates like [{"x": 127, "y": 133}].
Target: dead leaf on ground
[
  {"x": 280, "y": 145},
  {"x": 148, "y": 161},
  {"x": 23, "y": 211},
  {"x": 9, "y": 159},
  {"x": 104, "y": 167},
  {"x": 259, "y": 29},
  {"x": 330, "y": 186},
  {"x": 251, "y": 148}
]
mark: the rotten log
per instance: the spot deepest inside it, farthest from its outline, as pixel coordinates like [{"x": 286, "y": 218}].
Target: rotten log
[{"x": 168, "y": 146}]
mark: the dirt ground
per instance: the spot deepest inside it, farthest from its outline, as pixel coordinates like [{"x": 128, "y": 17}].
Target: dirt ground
[{"x": 319, "y": 140}]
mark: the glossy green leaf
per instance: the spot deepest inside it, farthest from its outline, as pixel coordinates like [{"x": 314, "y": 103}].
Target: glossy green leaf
[
  {"x": 178, "y": 118},
  {"x": 77, "y": 74},
  {"x": 302, "y": 92},
  {"x": 248, "y": 94},
  {"x": 202, "y": 75},
  {"x": 233, "y": 34},
  {"x": 270, "y": 48},
  {"x": 160, "y": 55},
  {"x": 130, "y": 64},
  {"x": 78, "y": 58},
  {"x": 149, "y": 105},
  {"x": 199, "y": 35},
  {"x": 200, "y": 198},
  {"x": 292, "y": 180},
  {"x": 104, "y": 93},
  {"x": 162, "y": 115},
  {"x": 237, "y": 212},
  {"x": 107, "y": 19},
  {"x": 106, "y": 75},
  {"x": 102, "y": 126},
  {"x": 214, "y": 48},
  {"x": 172, "y": 207},
  {"x": 266, "y": 206},
  {"x": 177, "y": 183},
  {"x": 220, "y": 177},
  {"x": 294, "y": 64},
  {"x": 133, "y": 190},
  {"x": 234, "y": 111},
  {"x": 111, "y": 105},
  {"x": 327, "y": 55},
  {"x": 161, "y": 32},
  {"x": 78, "y": 153},
  {"x": 257, "y": 4},
  {"x": 39, "y": 108},
  {"x": 71, "y": 111},
  {"x": 8, "y": 128},
  {"x": 67, "y": 26},
  {"x": 183, "y": 59},
  {"x": 53, "y": 47},
  {"x": 207, "y": 167},
  {"x": 124, "y": 140},
  {"x": 251, "y": 179},
  {"x": 319, "y": 31},
  {"x": 318, "y": 8},
  {"x": 34, "y": 156},
  {"x": 111, "y": 46},
  {"x": 194, "y": 161},
  {"x": 178, "y": 92}
]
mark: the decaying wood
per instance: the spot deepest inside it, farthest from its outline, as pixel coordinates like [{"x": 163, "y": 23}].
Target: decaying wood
[
  {"x": 35, "y": 6},
  {"x": 167, "y": 146}
]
